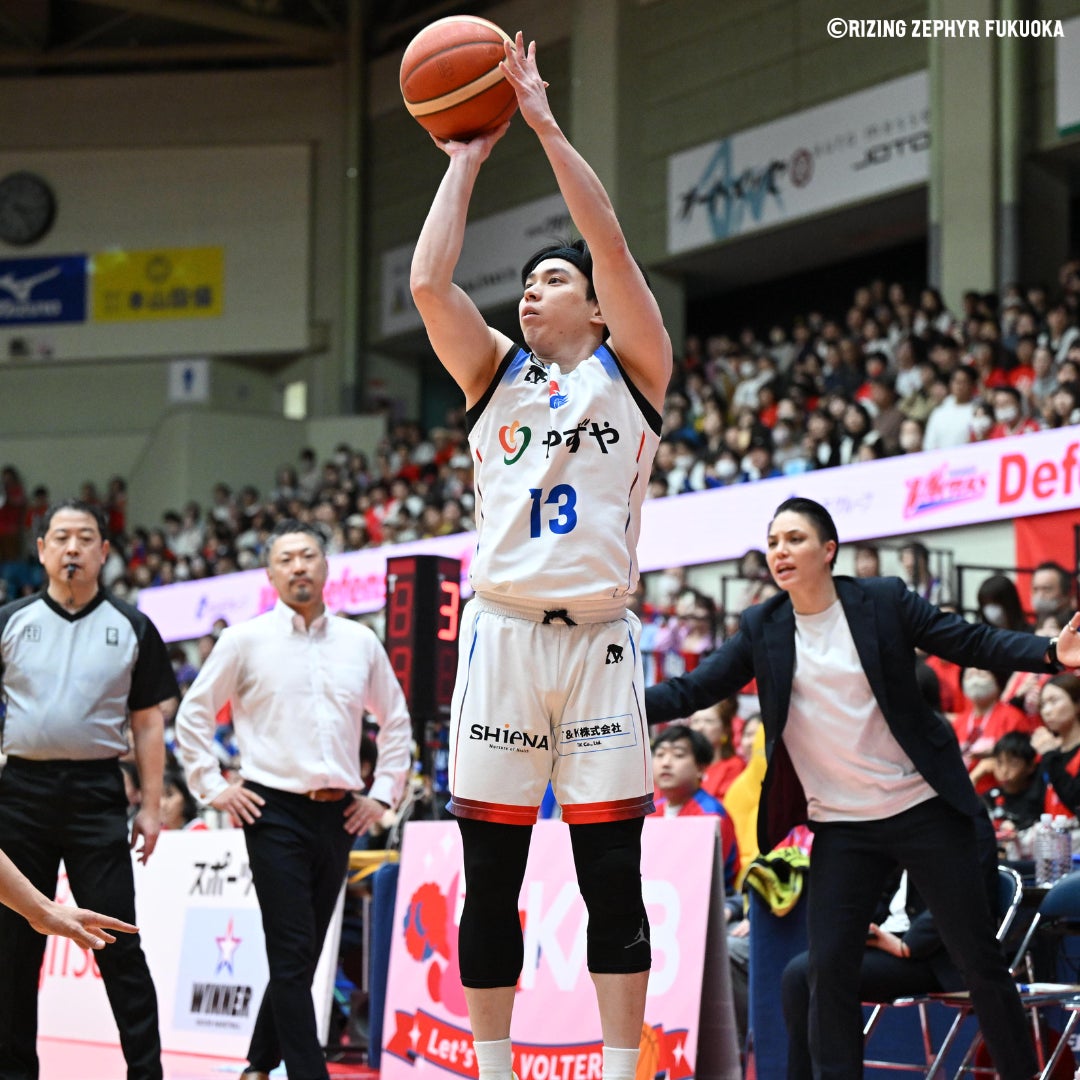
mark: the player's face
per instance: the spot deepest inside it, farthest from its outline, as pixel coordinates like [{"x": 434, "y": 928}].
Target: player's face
[
  {"x": 297, "y": 569},
  {"x": 796, "y": 554},
  {"x": 73, "y": 540},
  {"x": 554, "y": 304},
  {"x": 676, "y": 773}
]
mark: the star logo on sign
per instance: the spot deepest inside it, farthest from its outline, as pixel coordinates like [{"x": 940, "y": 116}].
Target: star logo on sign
[{"x": 227, "y": 945}]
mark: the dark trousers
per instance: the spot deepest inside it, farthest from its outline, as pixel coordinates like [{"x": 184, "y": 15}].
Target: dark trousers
[
  {"x": 848, "y": 869},
  {"x": 75, "y": 811},
  {"x": 299, "y": 854},
  {"x": 883, "y": 978}
]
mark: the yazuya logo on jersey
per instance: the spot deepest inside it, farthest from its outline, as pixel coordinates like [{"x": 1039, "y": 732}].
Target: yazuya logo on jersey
[{"x": 605, "y": 435}]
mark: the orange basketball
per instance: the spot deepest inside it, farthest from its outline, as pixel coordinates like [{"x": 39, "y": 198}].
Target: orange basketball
[{"x": 450, "y": 78}]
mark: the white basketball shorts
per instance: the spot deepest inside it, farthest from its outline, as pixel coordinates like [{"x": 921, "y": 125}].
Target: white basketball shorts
[{"x": 538, "y": 701}]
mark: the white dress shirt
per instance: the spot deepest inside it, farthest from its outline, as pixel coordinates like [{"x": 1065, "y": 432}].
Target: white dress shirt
[{"x": 298, "y": 701}]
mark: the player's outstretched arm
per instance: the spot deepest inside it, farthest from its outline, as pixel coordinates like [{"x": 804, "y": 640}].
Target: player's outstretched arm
[
  {"x": 85, "y": 928},
  {"x": 629, "y": 308},
  {"x": 465, "y": 345}
]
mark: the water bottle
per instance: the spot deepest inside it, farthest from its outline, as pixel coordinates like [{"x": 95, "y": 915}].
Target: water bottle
[
  {"x": 1063, "y": 831},
  {"x": 1045, "y": 849}
]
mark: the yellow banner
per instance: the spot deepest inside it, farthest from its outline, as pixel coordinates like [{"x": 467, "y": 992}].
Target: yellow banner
[{"x": 167, "y": 283}]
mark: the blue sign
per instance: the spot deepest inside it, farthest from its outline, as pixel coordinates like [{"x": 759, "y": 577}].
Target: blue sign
[{"x": 46, "y": 289}]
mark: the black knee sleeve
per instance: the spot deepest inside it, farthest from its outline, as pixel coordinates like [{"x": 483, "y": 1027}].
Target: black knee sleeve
[
  {"x": 490, "y": 944},
  {"x": 607, "y": 856}
]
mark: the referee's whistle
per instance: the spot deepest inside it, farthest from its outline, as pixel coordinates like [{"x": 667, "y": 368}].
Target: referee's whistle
[{"x": 71, "y": 568}]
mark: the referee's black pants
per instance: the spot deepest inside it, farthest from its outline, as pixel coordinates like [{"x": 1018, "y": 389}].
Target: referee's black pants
[
  {"x": 299, "y": 854},
  {"x": 75, "y": 811}
]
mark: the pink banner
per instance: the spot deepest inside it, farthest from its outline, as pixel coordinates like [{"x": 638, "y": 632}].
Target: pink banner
[
  {"x": 556, "y": 1023},
  {"x": 988, "y": 481}
]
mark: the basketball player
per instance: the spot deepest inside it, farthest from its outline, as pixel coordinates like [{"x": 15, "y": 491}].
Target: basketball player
[{"x": 563, "y": 432}]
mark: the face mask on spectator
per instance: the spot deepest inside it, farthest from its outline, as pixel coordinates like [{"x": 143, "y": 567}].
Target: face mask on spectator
[
  {"x": 981, "y": 425},
  {"x": 979, "y": 687},
  {"x": 1044, "y": 605},
  {"x": 994, "y": 614},
  {"x": 726, "y": 468},
  {"x": 747, "y": 369},
  {"x": 1006, "y": 414},
  {"x": 910, "y": 443},
  {"x": 781, "y": 435}
]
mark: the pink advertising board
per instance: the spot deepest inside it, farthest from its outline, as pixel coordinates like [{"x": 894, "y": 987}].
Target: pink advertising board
[
  {"x": 988, "y": 481},
  {"x": 556, "y": 1028}
]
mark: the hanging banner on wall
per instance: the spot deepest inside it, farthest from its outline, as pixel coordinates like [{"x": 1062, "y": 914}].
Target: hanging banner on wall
[
  {"x": 44, "y": 289},
  {"x": 167, "y": 283},
  {"x": 495, "y": 249},
  {"x": 857, "y": 147}
]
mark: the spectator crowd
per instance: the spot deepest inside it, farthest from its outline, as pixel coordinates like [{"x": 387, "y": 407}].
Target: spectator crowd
[{"x": 897, "y": 373}]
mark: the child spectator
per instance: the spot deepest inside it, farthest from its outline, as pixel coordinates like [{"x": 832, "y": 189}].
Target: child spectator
[
  {"x": 1016, "y": 799},
  {"x": 680, "y": 757}
]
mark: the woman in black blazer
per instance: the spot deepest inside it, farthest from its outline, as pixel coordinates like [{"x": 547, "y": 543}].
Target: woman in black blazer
[{"x": 854, "y": 749}]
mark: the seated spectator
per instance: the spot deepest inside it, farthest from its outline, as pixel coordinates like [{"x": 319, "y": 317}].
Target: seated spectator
[
  {"x": 888, "y": 419},
  {"x": 986, "y": 718},
  {"x": 754, "y": 570},
  {"x": 1051, "y": 592},
  {"x": 717, "y": 724},
  {"x": 179, "y": 810},
  {"x": 1044, "y": 379},
  {"x": 12, "y": 513},
  {"x": 757, "y": 464},
  {"x": 858, "y": 431},
  {"x": 982, "y": 421},
  {"x": 911, "y": 435},
  {"x": 822, "y": 443},
  {"x": 1015, "y": 801},
  {"x": 915, "y": 563},
  {"x": 680, "y": 758},
  {"x": 867, "y": 561},
  {"x": 1059, "y": 743},
  {"x": 1062, "y": 408},
  {"x": 1009, "y": 418},
  {"x": 1061, "y": 331},
  {"x": 950, "y": 422},
  {"x": 743, "y": 795},
  {"x": 999, "y": 604}
]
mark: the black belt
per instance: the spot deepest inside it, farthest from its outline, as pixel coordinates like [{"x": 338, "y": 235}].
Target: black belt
[{"x": 90, "y": 764}]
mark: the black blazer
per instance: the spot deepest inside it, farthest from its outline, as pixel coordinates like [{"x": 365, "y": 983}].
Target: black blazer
[{"x": 887, "y": 621}]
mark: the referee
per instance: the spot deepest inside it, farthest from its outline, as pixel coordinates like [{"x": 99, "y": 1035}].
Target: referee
[{"x": 78, "y": 670}]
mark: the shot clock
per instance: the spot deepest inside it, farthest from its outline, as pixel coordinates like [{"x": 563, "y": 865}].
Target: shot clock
[{"x": 423, "y": 613}]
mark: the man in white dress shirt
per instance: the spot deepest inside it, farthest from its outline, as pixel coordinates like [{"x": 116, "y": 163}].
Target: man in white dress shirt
[{"x": 300, "y": 683}]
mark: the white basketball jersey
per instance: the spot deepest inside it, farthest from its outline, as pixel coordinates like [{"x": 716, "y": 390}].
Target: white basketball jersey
[{"x": 561, "y": 461}]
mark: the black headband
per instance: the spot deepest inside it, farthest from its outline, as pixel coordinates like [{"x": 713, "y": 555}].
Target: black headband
[{"x": 570, "y": 254}]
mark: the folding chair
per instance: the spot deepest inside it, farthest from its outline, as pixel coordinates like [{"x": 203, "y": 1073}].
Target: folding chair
[{"x": 1010, "y": 896}]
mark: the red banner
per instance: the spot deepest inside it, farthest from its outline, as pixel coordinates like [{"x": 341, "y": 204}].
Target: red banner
[{"x": 421, "y": 1035}]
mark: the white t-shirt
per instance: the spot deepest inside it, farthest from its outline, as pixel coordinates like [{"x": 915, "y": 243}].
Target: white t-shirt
[{"x": 849, "y": 763}]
